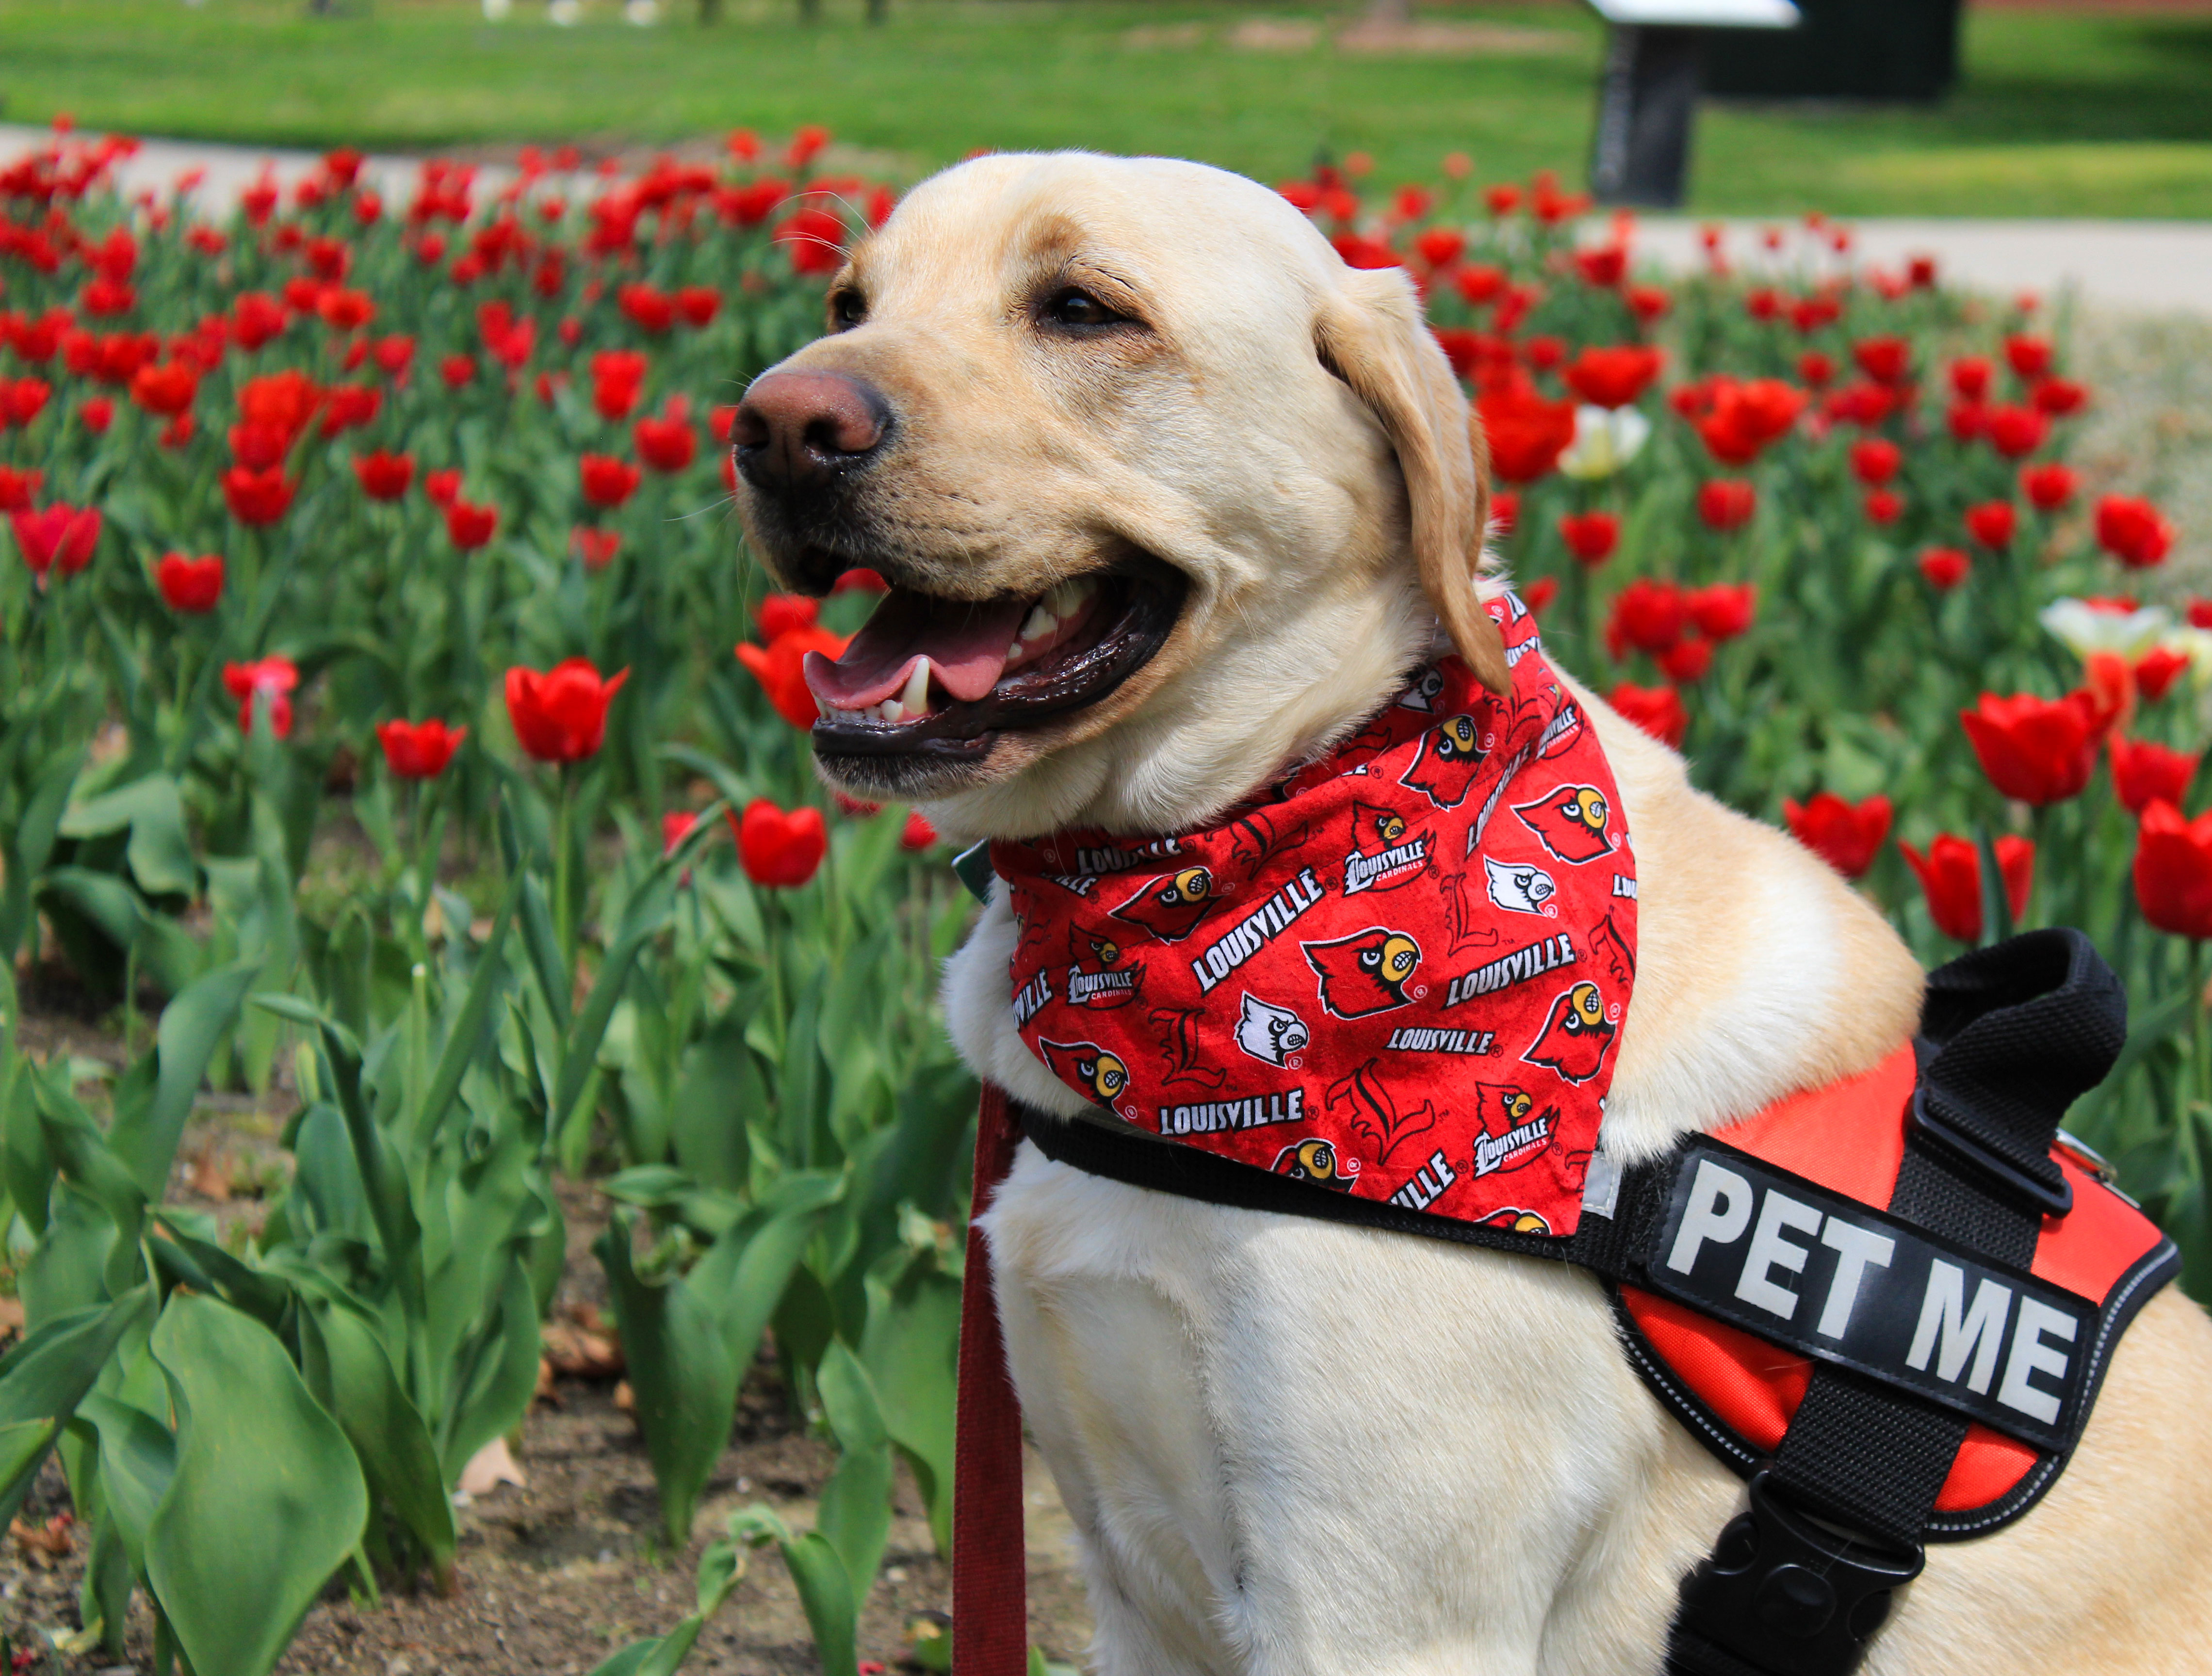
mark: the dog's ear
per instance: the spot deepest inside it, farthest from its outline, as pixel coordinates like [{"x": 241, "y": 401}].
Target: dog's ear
[{"x": 1371, "y": 335}]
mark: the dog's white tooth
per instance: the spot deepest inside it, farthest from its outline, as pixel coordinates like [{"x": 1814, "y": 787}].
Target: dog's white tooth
[
  {"x": 891, "y": 710},
  {"x": 915, "y": 699},
  {"x": 1013, "y": 650},
  {"x": 822, "y": 705},
  {"x": 1040, "y": 621}
]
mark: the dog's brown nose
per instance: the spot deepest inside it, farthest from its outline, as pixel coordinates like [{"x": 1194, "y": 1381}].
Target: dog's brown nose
[{"x": 795, "y": 430}]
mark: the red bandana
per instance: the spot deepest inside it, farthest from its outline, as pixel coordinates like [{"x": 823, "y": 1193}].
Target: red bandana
[{"x": 1400, "y": 973}]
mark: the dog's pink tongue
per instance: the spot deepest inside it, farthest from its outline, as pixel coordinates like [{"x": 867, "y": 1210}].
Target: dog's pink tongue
[{"x": 965, "y": 642}]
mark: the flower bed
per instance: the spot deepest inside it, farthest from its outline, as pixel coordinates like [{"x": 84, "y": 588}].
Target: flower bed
[{"x": 380, "y": 676}]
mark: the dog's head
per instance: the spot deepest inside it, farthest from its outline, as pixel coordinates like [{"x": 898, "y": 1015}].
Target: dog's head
[{"x": 1165, "y": 494}]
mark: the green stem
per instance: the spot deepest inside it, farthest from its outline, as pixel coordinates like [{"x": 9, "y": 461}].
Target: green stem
[{"x": 563, "y": 919}]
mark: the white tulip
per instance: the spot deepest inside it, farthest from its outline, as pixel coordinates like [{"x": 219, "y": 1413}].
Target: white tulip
[
  {"x": 2084, "y": 628},
  {"x": 1605, "y": 439}
]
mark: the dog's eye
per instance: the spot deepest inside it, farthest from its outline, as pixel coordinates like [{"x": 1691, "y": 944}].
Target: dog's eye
[
  {"x": 1072, "y": 306},
  {"x": 847, "y": 309}
]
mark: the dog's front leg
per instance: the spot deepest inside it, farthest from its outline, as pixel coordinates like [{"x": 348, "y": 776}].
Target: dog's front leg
[{"x": 1293, "y": 1449}]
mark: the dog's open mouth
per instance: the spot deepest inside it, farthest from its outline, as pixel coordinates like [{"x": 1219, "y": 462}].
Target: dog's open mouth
[{"x": 941, "y": 678}]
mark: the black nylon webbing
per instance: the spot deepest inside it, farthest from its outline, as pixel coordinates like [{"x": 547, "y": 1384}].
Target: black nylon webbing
[{"x": 2012, "y": 1035}]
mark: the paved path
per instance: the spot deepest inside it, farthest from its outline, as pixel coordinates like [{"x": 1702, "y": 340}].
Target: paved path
[{"x": 2142, "y": 266}]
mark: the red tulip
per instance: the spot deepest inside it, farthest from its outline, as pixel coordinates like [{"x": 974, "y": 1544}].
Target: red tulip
[
  {"x": 190, "y": 585},
  {"x": 2132, "y": 531},
  {"x": 779, "y": 667},
  {"x": 1993, "y": 523},
  {"x": 1945, "y": 567},
  {"x": 2048, "y": 488},
  {"x": 2173, "y": 871},
  {"x": 1816, "y": 369},
  {"x": 665, "y": 444},
  {"x": 675, "y": 827},
  {"x": 780, "y": 613},
  {"x": 1745, "y": 417},
  {"x": 2038, "y": 750},
  {"x": 596, "y": 548},
  {"x": 166, "y": 389},
  {"x": 1504, "y": 514},
  {"x": 917, "y": 834},
  {"x": 270, "y": 680},
  {"x": 1727, "y": 503},
  {"x": 1591, "y": 537},
  {"x": 561, "y": 715},
  {"x": 98, "y": 413},
  {"x": 1685, "y": 662},
  {"x": 1612, "y": 377},
  {"x": 1649, "y": 615},
  {"x": 60, "y": 535},
  {"x": 698, "y": 305},
  {"x": 2029, "y": 357},
  {"x": 258, "y": 497},
  {"x": 1875, "y": 460},
  {"x": 1440, "y": 246},
  {"x": 1723, "y": 611},
  {"x": 1647, "y": 302},
  {"x": 859, "y": 579},
  {"x": 2015, "y": 432},
  {"x": 420, "y": 750},
  {"x": 617, "y": 381},
  {"x": 384, "y": 477},
  {"x": 457, "y": 370},
  {"x": 607, "y": 482},
  {"x": 1539, "y": 593},
  {"x": 2059, "y": 396},
  {"x": 18, "y": 488},
  {"x": 2156, "y": 671},
  {"x": 650, "y": 308},
  {"x": 1884, "y": 507},
  {"x": 2145, "y": 772},
  {"x": 1885, "y": 360},
  {"x": 2107, "y": 692},
  {"x": 1951, "y": 877},
  {"x": 1527, "y": 432},
  {"x": 1658, "y": 710},
  {"x": 1846, "y": 835},
  {"x": 469, "y": 526},
  {"x": 1970, "y": 378},
  {"x": 442, "y": 488},
  {"x": 779, "y": 848}
]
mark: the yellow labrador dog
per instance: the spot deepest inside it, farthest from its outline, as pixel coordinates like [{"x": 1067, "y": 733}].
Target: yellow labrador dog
[{"x": 1171, "y": 498}]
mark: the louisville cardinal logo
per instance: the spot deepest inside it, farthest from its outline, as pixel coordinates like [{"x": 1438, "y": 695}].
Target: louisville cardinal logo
[
  {"x": 1087, "y": 1066},
  {"x": 1517, "y": 1220},
  {"x": 1561, "y": 731},
  {"x": 1569, "y": 822},
  {"x": 1520, "y": 887},
  {"x": 1574, "y": 1035},
  {"x": 1376, "y": 1113},
  {"x": 1513, "y": 1131},
  {"x": 1385, "y": 853},
  {"x": 1269, "y": 1032},
  {"x": 1102, "y": 948},
  {"x": 1364, "y": 973},
  {"x": 1427, "y": 687},
  {"x": 1171, "y": 905},
  {"x": 1444, "y": 766},
  {"x": 1316, "y": 1161}
]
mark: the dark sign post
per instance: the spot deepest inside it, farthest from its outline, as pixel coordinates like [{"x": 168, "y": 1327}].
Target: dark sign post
[{"x": 1648, "y": 90}]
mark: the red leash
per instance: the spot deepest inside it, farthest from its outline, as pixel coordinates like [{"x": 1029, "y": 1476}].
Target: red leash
[{"x": 990, "y": 1580}]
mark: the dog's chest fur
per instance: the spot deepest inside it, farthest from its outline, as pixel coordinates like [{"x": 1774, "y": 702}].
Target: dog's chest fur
[{"x": 1291, "y": 1446}]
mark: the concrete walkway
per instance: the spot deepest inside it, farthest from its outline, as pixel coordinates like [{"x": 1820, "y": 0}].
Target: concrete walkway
[{"x": 2149, "y": 267}]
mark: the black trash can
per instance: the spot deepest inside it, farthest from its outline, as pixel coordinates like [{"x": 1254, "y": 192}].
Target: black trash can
[{"x": 1843, "y": 49}]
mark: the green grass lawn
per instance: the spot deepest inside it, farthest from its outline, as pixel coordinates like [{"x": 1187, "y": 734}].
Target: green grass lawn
[{"x": 2059, "y": 115}]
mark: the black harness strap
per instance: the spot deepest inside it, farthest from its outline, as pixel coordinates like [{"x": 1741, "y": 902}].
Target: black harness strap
[{"x": 2011, "y": 1037}]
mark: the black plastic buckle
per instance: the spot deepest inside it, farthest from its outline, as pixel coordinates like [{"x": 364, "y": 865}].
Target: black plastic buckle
[
  {"x": 1949, "y": 1137},
  {"x": 1786, "y": 1595}
]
